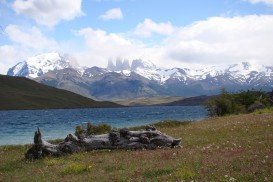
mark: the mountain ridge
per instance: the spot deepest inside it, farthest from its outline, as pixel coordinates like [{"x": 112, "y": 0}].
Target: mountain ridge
[{"x": 123, "y": 80}]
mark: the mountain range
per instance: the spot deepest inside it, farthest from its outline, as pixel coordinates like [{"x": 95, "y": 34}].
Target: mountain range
[{"x": 126, "y": 79}]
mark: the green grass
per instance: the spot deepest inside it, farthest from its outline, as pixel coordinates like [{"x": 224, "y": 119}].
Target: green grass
[
  {"x": 238, "y": 147},
  {"x": 263, "y": 111},
  {"x": 75, "y": 168}
]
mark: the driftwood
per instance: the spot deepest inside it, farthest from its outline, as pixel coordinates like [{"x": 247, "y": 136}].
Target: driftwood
[{"x": 150, "y": 138}]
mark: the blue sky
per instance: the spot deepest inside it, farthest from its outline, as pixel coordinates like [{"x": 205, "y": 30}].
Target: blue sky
[{"x": 179, "y": 32}]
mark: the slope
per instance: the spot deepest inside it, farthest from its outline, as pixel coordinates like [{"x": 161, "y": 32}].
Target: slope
[
  {"x": 191, "y": 101},
  {"x": 23, "y": 93}
]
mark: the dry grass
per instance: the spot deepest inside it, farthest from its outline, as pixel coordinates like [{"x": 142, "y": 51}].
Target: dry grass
[{"x": 232, "y": 148}]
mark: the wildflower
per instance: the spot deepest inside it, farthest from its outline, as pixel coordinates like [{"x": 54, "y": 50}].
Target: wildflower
[{"x": 232, "y": 179}]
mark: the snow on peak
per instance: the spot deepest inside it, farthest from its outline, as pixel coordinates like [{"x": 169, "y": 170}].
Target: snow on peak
[
  {"x": 243, "y": 72},
  {"x": 246, "y": 69},
  {"x": 40, "y": 64},
  {"x": 138, "y": 63}
]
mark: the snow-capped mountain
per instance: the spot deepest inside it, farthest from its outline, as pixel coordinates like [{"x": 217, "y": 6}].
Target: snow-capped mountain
[
  {"x": 137, "y": 78},
  {"x": 40, "y": 64},
  {"x": 243, "y": 72}
]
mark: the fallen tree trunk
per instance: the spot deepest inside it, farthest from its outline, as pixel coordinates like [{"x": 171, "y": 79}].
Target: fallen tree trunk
[{"x": 150, "y": 138}]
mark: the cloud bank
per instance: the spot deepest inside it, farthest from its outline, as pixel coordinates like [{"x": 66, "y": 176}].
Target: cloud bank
[{"x": 216, "y": 40}]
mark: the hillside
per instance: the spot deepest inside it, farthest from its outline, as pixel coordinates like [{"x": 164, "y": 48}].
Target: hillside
[
  {"x": 191, "y": 101},
  {"x": 23, "y": 93},
  {"x": 232, "y": 148},
  {"x": 146, "y": 101}
]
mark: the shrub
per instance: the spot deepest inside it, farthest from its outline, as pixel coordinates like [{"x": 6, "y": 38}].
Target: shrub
[
  {"x": 92, "y": 129},
  {"x": 99, "y": 129},
  {"x": 235, "y": 103},
  {"x": 79, "y": 130}
]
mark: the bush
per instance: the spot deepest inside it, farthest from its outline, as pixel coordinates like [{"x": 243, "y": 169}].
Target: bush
[
  {"x": 92, "y": 129},
  {"x": 100, "y": 129},
  {"x": 235, "y": 103},
  {"x": 79, "y": 130}
]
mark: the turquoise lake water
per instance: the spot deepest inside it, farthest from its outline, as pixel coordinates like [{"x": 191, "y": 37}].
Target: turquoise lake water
[{"x": 18, "y": 127}]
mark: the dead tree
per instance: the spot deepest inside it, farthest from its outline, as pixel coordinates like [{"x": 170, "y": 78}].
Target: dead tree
[{"x": 150, "y": 138}]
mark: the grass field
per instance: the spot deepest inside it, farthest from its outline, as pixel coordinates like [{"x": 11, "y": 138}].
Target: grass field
[{"x": 231, "y": 148}]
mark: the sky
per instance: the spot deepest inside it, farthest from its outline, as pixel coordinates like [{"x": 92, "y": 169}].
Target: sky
[{"x": 169, "y": 33}]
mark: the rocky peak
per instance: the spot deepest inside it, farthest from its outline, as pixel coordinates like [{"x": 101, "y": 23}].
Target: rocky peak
[
  {"x": 40, "y": 64},
  {"x": 138, "y": 63}
]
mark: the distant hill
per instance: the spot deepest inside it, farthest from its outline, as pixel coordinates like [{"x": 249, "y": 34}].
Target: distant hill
[
  {"x": 146, "y": 101},
  {"x": 191, "y": 101},
  {"x": 23, "y": 93}
]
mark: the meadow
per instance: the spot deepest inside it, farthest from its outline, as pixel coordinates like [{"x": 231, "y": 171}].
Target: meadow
[{"x": 229, "y": 148}]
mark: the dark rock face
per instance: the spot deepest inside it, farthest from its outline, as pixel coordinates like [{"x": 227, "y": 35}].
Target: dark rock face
[
  {"x": 122, "y": 139},
  {"x": 23, "y": 72}
]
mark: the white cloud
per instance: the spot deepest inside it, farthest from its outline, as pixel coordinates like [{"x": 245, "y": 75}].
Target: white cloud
[
  {"x": 48, "y": 12},
  {"x": 112, "y": 14},
  {"x": 6, "y": 52},
  {"x": 216, "y": 40},
  {"x": 267, "y": 2},
  {"x": 9, "y": 56},
  {"x": 223, "y": 40},
  {"x": 24, "y": 43},
  {"x": 30, "y": 38},
  {"x": 148, "y": 27},
  {"x": 100, "y": 46}
]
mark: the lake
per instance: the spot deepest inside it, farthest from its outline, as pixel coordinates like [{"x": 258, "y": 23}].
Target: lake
[{"x": 18, "y": 127}]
